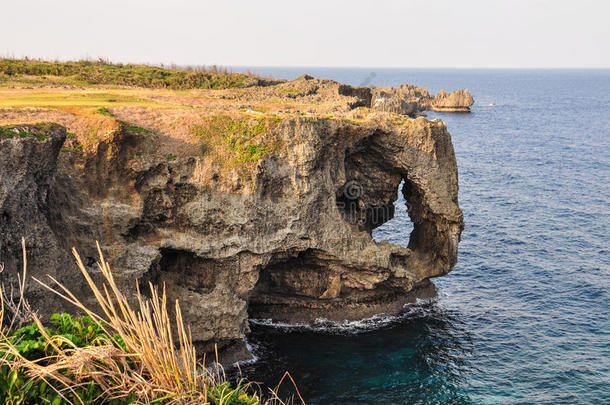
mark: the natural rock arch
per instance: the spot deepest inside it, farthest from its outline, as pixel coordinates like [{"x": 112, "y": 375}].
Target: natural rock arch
[{"x": 279, "y": 246}]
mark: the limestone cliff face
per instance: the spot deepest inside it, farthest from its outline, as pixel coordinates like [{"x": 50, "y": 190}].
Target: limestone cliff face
[{"x": 291, "y": 242}]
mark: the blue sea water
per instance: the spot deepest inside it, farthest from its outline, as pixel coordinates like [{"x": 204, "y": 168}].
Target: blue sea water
[{"x": 524, "y": 316}]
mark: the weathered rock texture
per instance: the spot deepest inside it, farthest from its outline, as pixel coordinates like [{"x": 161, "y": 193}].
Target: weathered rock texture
[
  {"x": 406, "y": 99},
  {"x": 456, "y": 101},
  {"x": 411, "y": 100},
  {"x": 293, "y": 243},
  {"x": 328, "y": 96}
]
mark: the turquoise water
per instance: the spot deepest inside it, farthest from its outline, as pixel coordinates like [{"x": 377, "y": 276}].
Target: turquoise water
[{"x": 524, "y": 316}]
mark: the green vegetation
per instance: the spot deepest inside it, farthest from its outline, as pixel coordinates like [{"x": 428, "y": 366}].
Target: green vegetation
[
  {"x": 131, "y": 355},
  {"x": 171, "y": 157},
  {"x": 103, "y": 111},
  {"x": 350, "y": 122},
  {"x": 38, "y": 131},
  {"x": 30, "y": 342},
  {"x": 69, "y": 333},
  {"x": 244, "y": 137},
  {"x": 134, "y": 155},
  {"x": 106, "y": 73},
  {"x": 135, "y": 128},
  {"x": 69, "y": 98}
]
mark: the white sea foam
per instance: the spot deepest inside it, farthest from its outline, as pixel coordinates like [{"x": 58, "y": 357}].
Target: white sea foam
[
  {"x": 253, "y": 349},
  {"x": 419, "y": 308}
]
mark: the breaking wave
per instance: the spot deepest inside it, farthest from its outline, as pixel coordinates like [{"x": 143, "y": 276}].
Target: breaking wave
[{"x": 421, "y": 308}]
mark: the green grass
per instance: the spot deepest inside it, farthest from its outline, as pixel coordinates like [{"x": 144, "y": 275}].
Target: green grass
[
  {"x": 134, "y": 155},
  {"x": 105, "y": 73},
  {"x": 62, "y": 98},
  {"x": 135, "y": 128},
  {"x": 103, "y": 111},
  {"x": 16, "y": 387},
  {"x": 38, "y": 131},
  {"x": 69, "y": 332},
  {"x": 20, "y": 133},
  {"x": 350, "y": 122},
  {"x": 243, "y": 137}
]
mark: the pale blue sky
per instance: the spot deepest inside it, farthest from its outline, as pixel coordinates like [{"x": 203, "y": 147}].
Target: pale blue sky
[{"x": 408, "y": 33}]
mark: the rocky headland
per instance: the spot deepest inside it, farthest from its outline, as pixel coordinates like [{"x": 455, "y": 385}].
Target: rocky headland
[{"x": 257, "y": 202}]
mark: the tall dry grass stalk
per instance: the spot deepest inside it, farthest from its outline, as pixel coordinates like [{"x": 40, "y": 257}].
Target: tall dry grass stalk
[
  {"x": 164, "y": 369},
  {"x": 147, "y": 355},
  {"x": 14, "y": 303}
]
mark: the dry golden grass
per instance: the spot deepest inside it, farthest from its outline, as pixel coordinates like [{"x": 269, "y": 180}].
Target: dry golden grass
[{"x": 148, "y": 356}]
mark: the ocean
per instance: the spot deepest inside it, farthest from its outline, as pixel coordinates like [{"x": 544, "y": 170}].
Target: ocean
[{"x": 524, "y": 316}]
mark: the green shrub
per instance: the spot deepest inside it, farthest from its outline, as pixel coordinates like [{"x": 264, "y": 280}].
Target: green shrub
[
  {"x": 38, "y": 132},
  {"x": 103, "y": 72},
  {"x": 103, "y": 111},
  {"x": 17, "y": 388}
]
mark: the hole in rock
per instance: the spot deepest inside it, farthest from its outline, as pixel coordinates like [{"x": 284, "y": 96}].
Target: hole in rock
[
  {"x": 304, "y": 274},
  {"x": 182, "y": 269},
  {"x": 374, "y": 196},
  {"x": 398, "y": 229},
  {"x": 367, "y": 211}
]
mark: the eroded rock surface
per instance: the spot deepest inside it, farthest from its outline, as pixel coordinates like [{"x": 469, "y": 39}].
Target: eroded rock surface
[
  {"x": 330, "y": 97},
  {"x": 411, "y": 100},
  {"x": 456, "y": 101},
  {"x": 290, "y": 242}
]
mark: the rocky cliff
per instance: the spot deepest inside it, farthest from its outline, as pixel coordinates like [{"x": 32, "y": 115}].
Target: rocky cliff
[
  {"x": 411, "y": 100},
  {"x": 241, "y": 210}
]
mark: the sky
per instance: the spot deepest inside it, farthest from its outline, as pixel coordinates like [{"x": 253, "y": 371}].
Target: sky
[{"x": 329, "y": 33}]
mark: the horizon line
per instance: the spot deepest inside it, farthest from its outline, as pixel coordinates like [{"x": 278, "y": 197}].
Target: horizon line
[
  {"x": 169, "y": 64},
  {"x": 415, "y": 67}
]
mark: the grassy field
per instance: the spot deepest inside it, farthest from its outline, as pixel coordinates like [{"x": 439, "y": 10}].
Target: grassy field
[
  {"x": 87, "y": 73},
  {"x": 65, "y": 98},
  {"x": 184, "y": 113}
]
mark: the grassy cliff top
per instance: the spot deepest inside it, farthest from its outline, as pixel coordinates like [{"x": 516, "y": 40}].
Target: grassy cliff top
[
  {"x": 174, "y": 114},
  {"x": 86, "y": 73}
]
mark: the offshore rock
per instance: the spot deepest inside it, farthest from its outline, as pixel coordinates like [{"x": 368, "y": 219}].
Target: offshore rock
[
  {"x": 456, "y": 101},
  {"x": 406, "y": 99},
  {"x": 412, "y": 100}
]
